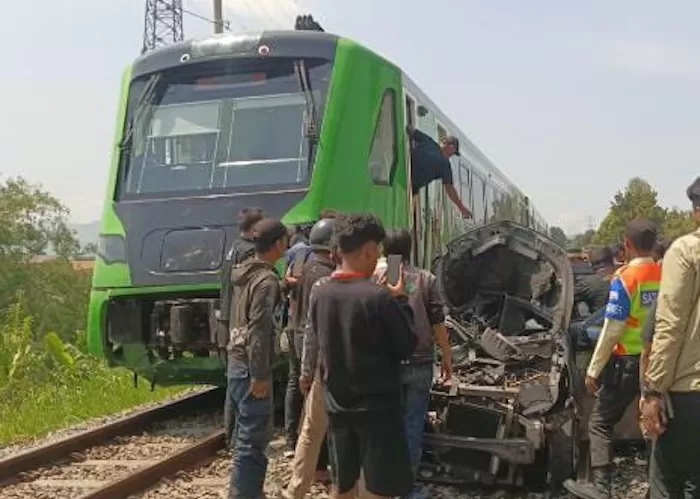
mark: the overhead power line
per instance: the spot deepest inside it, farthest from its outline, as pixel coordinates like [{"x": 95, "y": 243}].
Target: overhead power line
[{"x": 227, "y": 24}]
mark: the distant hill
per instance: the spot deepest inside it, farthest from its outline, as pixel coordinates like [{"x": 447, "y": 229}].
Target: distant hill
[{"x": 87, "y": 232}]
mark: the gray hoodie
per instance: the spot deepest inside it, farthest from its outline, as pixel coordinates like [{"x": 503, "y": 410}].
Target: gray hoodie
[{"x": 255, "y": 298}]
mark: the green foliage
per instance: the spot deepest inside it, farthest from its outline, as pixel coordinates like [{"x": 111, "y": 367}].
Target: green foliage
[
  {"x": 46, "y": 385},
  {"x": 58, "y": 352},
  {"x": 33, "y": 222},
  {"x": 582, "y": 240},
  {"x": 677, "y": 223},
  {"x": 47, "y": 380},
  {"x": 16, "y": 355},
  {"x": 637, "y": 200},
  {"x": 558, "y": 234},
  {"x": 89, "y": 249}
]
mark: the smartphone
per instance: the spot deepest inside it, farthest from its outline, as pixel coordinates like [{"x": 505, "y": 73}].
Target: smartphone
[{"x": 393, "y": 269}]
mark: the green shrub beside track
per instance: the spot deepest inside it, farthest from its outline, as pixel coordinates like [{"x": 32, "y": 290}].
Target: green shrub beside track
[
  {"x": 47, "y": 380},
  {"x": 47, "y": 385}
]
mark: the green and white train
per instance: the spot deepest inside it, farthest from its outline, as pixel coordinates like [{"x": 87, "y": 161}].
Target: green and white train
[{"x": 290, "y": 121}]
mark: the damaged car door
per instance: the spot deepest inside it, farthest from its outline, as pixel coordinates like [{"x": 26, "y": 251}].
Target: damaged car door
[{"x": 509, "y": 414}]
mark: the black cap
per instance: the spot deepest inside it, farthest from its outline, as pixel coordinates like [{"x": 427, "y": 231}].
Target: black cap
[
  {"x": 453, "y": 141},
  {"x": 693, "y": 193}
]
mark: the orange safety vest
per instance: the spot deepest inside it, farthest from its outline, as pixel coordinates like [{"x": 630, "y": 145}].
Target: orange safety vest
[{"x": 641, "y": 283}]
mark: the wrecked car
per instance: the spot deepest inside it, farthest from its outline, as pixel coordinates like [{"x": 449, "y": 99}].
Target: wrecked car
[
  {"x": 509, "y": 415},
  {"x": 516, "y": 411}
]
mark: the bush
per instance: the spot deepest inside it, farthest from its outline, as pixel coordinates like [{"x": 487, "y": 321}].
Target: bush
[{"x": 47, "y": 383}]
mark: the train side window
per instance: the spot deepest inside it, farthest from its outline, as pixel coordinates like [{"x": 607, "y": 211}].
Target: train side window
[
  {"x": 465, "y": 186},
  {"x": 488, "y": 199},
  {"x": 442, "y": 133},
  {"x": 478, "y": 197},
  {"x": 410, "y": 112},
  {"x": 383, "y": 156}
]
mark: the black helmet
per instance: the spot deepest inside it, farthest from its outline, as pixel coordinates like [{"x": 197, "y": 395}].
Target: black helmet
[{"x": 320, "y": 235}]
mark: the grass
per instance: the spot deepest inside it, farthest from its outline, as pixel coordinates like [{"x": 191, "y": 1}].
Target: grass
[{"x": 30, "y": 411}]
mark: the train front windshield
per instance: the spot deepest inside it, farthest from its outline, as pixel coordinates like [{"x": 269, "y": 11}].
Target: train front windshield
[{"x": 224, "y": 126}]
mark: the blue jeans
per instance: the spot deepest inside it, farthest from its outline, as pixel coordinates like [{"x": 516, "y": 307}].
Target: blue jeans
[
  {"x": 251, "y": 435},
  {"x": 416, "y": 380}
]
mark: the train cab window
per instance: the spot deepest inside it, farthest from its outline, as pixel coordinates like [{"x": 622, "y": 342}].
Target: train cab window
[
  {"x": 382, "y": 157},
  {"x": 252, "y": 158}
]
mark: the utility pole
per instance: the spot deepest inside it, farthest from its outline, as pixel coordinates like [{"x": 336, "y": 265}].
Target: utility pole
[
  {"x": 162, "y": 24},
  {"x": 218, "y": 17}
]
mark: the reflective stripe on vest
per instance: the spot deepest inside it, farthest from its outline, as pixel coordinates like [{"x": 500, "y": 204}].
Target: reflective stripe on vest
[{"x": 642, "y": 283}]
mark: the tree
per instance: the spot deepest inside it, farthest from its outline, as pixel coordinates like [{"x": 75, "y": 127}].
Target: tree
[
  {"x": 32, "y": 222},
  {"x": 677, "y": 223},
  {"x": 558, "y": 234},
  {"x": 89, "y": 249},
  {"x": 582, "y": 240},
  {"x": 638, "y": 199}
]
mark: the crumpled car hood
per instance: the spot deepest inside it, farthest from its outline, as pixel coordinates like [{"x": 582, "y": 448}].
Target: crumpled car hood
[
  {"x": 507, "y": 258},
  {"x": 509, "y": 293}
]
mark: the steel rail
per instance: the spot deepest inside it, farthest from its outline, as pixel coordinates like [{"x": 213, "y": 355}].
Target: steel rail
[
  {"x": 45, "y": 454},
  {"x": 140, "y": 480}
]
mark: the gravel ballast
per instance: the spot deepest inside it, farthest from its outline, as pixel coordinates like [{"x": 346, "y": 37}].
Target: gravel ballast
[{"x": 212, "y": 481}]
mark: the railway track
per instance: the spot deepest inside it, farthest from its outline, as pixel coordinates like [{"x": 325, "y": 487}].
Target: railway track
[
  {"x": 174, "y": 451},
  {"x": 121, "y": 458}
]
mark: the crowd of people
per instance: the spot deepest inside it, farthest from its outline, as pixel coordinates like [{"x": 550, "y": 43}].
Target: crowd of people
[
  {"x": 362, "y": 349},
  {"x": 361, "y": 354},
  {"x": 649, "y": 347}
]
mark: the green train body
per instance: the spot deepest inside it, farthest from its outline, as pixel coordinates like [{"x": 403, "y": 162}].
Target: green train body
[{"x": 293, "y": 122}]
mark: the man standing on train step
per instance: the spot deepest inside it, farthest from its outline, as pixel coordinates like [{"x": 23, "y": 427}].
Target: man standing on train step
[{"x": 430, "y": 161}]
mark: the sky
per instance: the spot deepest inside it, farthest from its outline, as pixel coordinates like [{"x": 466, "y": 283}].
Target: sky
[{"x": 569, "y": 99}]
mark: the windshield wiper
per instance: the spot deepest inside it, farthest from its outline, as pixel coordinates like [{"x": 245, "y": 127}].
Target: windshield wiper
[
  {"x": 302, "y": 73},
  {"x": 143, "y": 104}
]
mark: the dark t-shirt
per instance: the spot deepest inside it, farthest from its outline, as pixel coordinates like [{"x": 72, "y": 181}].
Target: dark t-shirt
[
  {"x": 364, "y": 334},
  {"x": 428, "y": 163},
  {"x": 591, "y": 289}
]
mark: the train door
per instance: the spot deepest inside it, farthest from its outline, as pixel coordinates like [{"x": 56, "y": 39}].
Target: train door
[
  {"x": 439, "y": 216},
  {"x": 427, "y": 124},
  {"x": 414, "y": 202}
]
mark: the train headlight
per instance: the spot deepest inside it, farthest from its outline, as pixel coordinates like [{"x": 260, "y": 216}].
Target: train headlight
[{"x": 111, "y": 248}]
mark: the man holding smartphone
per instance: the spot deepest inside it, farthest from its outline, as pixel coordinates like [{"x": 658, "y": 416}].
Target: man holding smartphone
[
  {"x": 364, "y": 332},
  {"x": 429, "y": 323}
]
